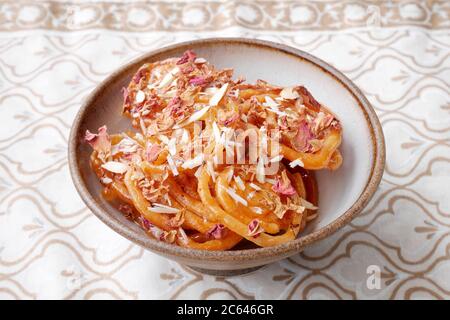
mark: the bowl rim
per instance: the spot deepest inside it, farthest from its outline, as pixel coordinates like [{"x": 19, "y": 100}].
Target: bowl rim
[{"x": 285, "y": 249}]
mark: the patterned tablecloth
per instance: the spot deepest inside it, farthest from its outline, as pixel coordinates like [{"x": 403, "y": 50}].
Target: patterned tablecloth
[{"x": 53, "y": 53}]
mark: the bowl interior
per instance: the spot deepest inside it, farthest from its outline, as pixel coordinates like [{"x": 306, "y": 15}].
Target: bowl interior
[{"x": 338, "y": 190}]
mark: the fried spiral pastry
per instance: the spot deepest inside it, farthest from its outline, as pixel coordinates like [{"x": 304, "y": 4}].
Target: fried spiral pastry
[{"x": 215, "y": 163}]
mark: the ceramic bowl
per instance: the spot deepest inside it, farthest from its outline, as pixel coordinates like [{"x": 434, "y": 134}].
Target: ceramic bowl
[{"x": 342, "y": 193}]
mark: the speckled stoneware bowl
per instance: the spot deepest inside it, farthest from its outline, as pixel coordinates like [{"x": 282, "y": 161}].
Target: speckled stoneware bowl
[{"x": 342, "y": 194}]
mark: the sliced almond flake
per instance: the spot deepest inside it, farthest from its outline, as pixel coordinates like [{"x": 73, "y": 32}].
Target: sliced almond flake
[
  {"x": 300, "y": 209},
  {"x": 198, "y": 173},
  {"x": 172, "y": 165},
  {"x": 106, "y": 180},
  {"x": 239, "y": 183},
  {"x": 183, "y": 235},
  {"x": 145, "y": 112},
  {"x": 270, "y": 103},
  {"x": 168, "y": 78},
  {"x": 169, "y": 94},
  {"x": 236, "y": 197},
  {"x": 297, "y": 162},
  {"x": 164, "y": 139},
  {"x": 142, "y": 125},
  {"x": 115, "y": 167},
  {"x": 263, "y": 141},
  {"x": 251, "y": 195},
  {"x": 172, "y": 146},
  {"x": 197, "y": 115},
  {"x": 162, "y": 205},
  {"x": 210, "y": 169},
  {"x": 257, "y": 210},
  {"x": 137, "y": 175},
  {"x": 244, "y": 118},
  {"x": 289, "y": 93},
  {"x": 216, "y": 131},
  {"x": 230, "y": 175},
  {"x": 185, "y": 137},
  {"x": 211, "y": 90},
  {"x": 277, "y": 158},
  {"x": 139, "y": 137},
  {"x": 318, "y": 121},
  {"x": 126, "y": 145},
  {"x": 159, "y": 208},
  {"x": 140, "y": 96},
  {"x": 276, "y": 111},
  {"x": 215, "y": 99},
  {"x": 223, "y": 138},
  {"x": 260, "y": 171},
  {"x": 200, "y": 60},
  {"x": 308, "y": 205},
  {"x": 193, "y": 163},
  {"x": 254, "y": 186}
]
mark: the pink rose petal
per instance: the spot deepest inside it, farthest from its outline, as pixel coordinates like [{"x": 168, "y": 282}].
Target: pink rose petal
[
  {"x": 229, "y": 120},
  {"x": 217, "y": 232},
  {"x": 139, "y": 75},
  {"x": 187, "y": 56},
  {"x": 125, "y": 95},
  {"x": 152, "y": 152},
  {"x": 198, "y": 81},
  {"x": 254, "y": 228},
  {"x": 287, "y": 190},
  {"x": 100, "y": 142},
  {"x": 301, "y": 140}
]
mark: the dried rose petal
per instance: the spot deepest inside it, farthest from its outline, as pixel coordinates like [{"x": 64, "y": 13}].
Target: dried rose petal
[
  {"x": 198, "y": 81},
  {"x": 284, "y": 186},
  {"x": 125, "y": 95},
  {"x": 308, "y": 99},
  {"x": 217, "y": 232},
  {"x": 229, "y": 120},
  {"x": 187, "y": 68},
  {"x": 145, "y": 223},
  {"x": 174, "y": 101},
  {"x": 139, "y": 75},
  {"x": 322, "y": 121},
  {"x": 187, "y": 56},
  {"x": 284, "y": 125},
  {"x": 176, "y": 107},
  {"x": 152, "y": 152},
  {"x": 254, "y": 228},
  {"x": 100, "y": 142},
  {"x": 304, "y": 135}
]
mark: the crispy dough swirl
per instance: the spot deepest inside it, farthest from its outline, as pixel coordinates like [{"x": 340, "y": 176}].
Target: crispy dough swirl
[{"x": 214, "y": 161}]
